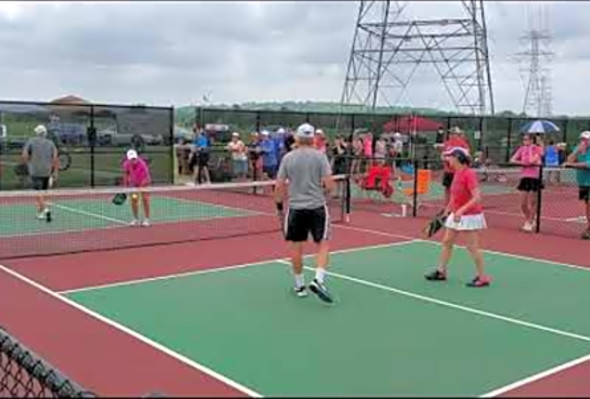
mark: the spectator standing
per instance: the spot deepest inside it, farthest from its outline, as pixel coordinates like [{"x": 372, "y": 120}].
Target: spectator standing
[
  {"x": 200, "y": 157},
  {"x": 269, "y": 156},
  {"x": 254, "y": 153},
  {"x": 237, "y": 149}
]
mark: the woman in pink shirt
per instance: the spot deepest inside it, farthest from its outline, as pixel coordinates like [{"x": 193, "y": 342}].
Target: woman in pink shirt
[
  {"x": 136, "y": 173},
  {"x": 529, "y": 156},
  {"x": 465, "y": 216}
]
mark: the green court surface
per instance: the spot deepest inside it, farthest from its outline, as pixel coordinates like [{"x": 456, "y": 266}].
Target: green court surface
[
  {"x": 85, "y": 214},
  {"x": 390, "y": 332}
]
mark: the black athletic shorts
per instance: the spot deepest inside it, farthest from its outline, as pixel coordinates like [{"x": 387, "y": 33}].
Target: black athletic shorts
[
  {"x": 40, "y": 183},
  {"x": 301, "y": 222},
  {"x": 584, "y": 194},
  {"x": 529, "y": 184},
  {"x": 447, "y": 179}
]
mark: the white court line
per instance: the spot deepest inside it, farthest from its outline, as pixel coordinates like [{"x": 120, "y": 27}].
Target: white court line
[
  {"x": 221, "y": 269},
  {"x": 492, "y": 252},
  {"x": 134, "y": 334},
  {"x": 86, "y": 213},
  {"x": 536, "y": 377},
  {"x": 408, "y": 240},
  {"x": 121, "y": 223},
  {"x": 454, "y": 305}
]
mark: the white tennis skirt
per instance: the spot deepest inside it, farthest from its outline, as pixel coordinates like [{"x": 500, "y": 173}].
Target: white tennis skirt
[{"x": 467, "y": 222}]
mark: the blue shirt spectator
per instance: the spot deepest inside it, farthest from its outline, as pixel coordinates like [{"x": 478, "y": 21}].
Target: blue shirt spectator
[
  {"x": 279, "y": 140},
  {"x": 269, "y": 153},
  {"x": 201, "y": 141}
]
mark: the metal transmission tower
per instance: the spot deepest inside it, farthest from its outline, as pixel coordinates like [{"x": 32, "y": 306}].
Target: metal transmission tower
[
  {"x": 387, "y": 50},
  {"x": 538, "y": 99}
]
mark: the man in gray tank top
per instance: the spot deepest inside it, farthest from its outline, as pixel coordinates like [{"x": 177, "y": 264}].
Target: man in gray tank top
[
  {"x": 40, "y": 153},
  {"x": 305, "y": 174}
]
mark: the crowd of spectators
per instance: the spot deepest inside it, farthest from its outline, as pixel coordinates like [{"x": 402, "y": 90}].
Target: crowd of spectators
[{"x": 257, "y": 156}]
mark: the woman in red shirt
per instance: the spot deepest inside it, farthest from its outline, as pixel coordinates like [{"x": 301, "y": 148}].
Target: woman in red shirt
[{"x": 464, "y": 215}]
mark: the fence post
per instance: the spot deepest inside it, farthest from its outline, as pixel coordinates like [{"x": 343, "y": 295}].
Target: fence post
[
  {"x": 415, "y": 193},
  {"x": 564, "y": 135},
  {"x": 173, "y": 164},
  {"x": 508, "y": 141},
  {"x": 258, "y": 121},
  {"x": 92, "y": 141},
  {"x": 481, "y": 132},
  {"x": 539, "y": 199}
]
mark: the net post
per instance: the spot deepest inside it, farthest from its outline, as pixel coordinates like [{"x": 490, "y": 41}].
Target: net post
[
  {"x": 92, "y": 141},
  {"x": 508, "y": 141},
  {"x": 346, "y": 205},
  {"x": 415, "y": 192},
  {"x": 539, "y": 199}
]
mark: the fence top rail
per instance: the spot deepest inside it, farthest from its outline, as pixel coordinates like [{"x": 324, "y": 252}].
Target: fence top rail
[{"x": 442, "y": 114}]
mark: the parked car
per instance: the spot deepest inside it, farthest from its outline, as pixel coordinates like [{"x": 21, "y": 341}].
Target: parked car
[{"x": 109, "y": 137}]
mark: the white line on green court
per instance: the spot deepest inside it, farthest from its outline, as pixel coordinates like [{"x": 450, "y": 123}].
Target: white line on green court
[
  {"x": 134, "y": 334},
  {"x": 86, "y": 213},
  {"x": 121, "y": 223},
  {"x": 219, "y": 269},
  {"x": 453, "y": 305},
  {"x": 492, "y": 252},
  {"x": 536, "y": 377}
]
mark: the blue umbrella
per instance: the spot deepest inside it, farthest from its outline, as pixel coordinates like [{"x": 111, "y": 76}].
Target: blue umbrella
[{"x": 540, "y": 126}]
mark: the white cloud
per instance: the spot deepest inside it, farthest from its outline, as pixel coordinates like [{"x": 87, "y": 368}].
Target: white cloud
[{"x": 163, "y": 53}]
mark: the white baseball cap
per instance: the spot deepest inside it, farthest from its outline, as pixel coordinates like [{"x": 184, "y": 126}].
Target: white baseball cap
[
  {"x": 281, "y": 131},
  {"x": 585, "y": 135},
  {"x": 457, "y": 151},
  {"x": 265, "y": 133},
  {"x": 319, "y": 132},
  {"x": 40, "y": 130},
  {"x": 132, "y": 154},
  {"x": 305, "y": 131},
  {"x": 235, "y": 134}
]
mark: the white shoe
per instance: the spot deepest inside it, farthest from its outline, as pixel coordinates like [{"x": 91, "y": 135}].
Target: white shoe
[
  {"x": 134, "y": 223},
  {"x": 528, "y": 227},
  {"x": 43, "y": 214},
  {"x": 146, "y": 223}
]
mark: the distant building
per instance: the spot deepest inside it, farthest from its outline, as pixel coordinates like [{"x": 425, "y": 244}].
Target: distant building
[{"x": 69, "y": 100}]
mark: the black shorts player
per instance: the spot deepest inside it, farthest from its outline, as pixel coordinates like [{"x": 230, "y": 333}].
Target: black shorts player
[
  {"x": 529, "y": 184},
  {"x": 300, "y": 223},
  {"x": 308, "y": 174}
]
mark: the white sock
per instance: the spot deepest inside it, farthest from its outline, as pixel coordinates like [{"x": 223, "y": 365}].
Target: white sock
[
  {"x": 299, "y": 282},
  {"x": 319, "y": 275}
]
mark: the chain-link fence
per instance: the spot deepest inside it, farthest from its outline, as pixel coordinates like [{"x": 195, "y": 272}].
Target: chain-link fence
[{"x": 91, "y": 141}]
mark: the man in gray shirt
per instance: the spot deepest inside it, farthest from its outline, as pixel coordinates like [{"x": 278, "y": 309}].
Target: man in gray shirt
[
  {"x": 306, "y": 172},
  {"x": 40, "y": 154}
]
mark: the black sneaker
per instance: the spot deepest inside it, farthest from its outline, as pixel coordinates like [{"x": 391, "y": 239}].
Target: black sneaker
[
  {"x": 436, "y": 275},
  {"x": 301, "y": 292},
  {"x": 586, "y": 235},
  {"x": 320, "y": 290}
]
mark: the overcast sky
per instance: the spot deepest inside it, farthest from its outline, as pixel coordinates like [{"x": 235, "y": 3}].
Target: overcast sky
[{"x": 174, "y": 53}]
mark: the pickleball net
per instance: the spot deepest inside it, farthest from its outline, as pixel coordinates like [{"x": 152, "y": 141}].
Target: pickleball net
[
  {"x": 560, "y": 211},
  {"x": 89, "y": 220},
  {"x": 23, "y": 374}
]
